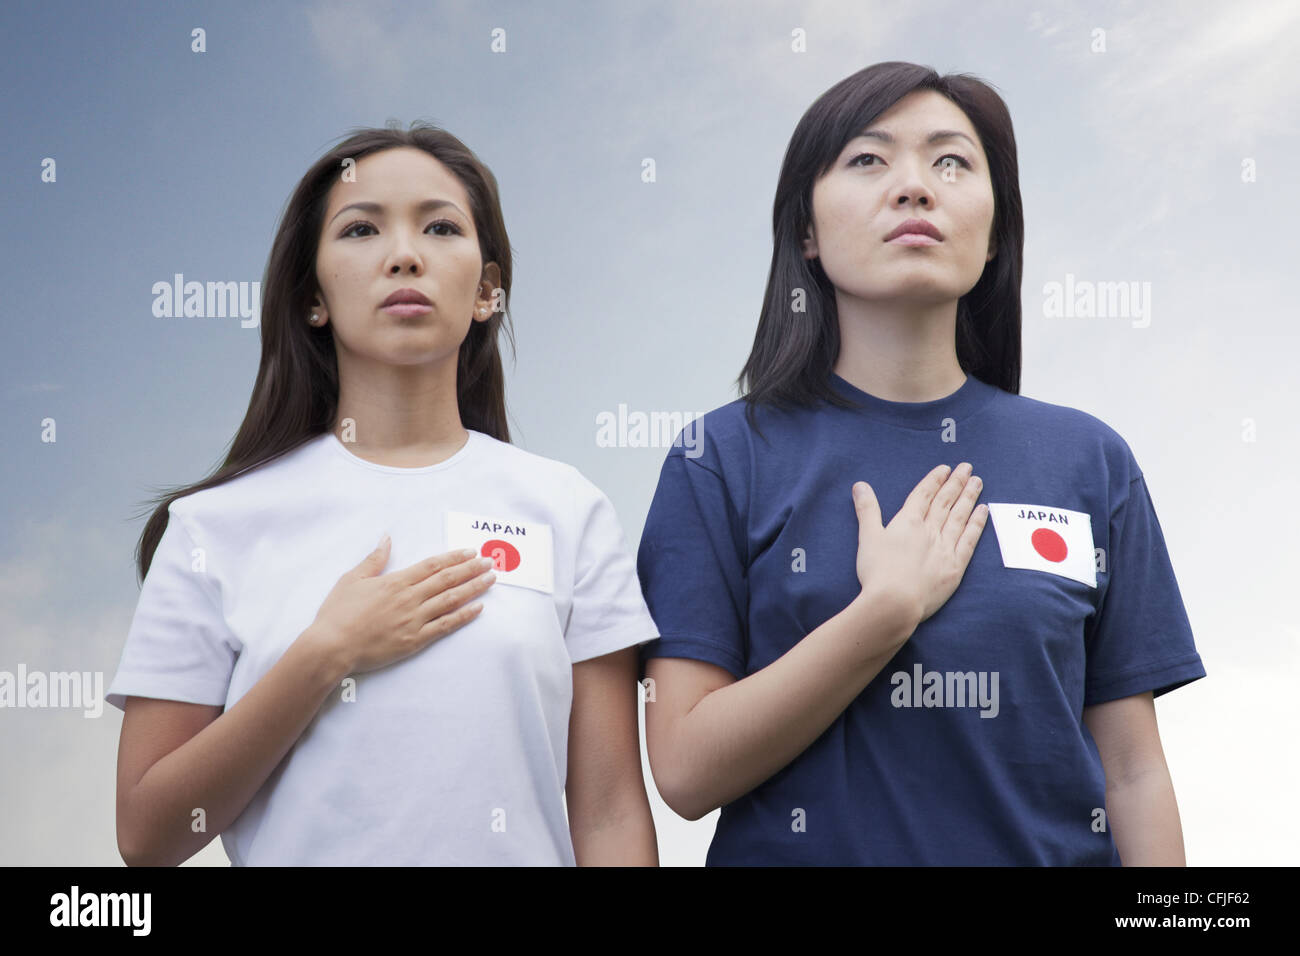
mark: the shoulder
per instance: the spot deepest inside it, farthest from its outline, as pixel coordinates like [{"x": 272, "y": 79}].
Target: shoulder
[
  {"x": 252, "y": 495},
  {"x": 528, "y": 467},
  {"x": 565, "y": 490},
  {"x": 720, "y": 440},
  {"x": 1072, "y": 429}
]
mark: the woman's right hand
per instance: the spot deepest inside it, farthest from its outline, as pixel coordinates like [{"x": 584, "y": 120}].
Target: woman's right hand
[
  {"x": 372, "y": 619},
  {"x": 917, "y": 561}
]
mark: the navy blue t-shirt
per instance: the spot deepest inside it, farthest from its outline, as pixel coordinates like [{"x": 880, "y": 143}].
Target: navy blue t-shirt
[{"x": 969, "y": 747}]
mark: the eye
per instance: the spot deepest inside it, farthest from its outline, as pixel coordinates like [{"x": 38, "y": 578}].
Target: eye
[
  {"x": 455, "y": 229},
  {"x": 960, "y": 159}
]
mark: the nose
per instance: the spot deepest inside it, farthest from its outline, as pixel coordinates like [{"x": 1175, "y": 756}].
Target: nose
[
  {"x": 403, "y": 257},
  {"x": 911, "y": 187}
]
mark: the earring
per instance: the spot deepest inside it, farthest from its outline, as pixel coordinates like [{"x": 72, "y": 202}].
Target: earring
[{"x": 314, "y": 318}]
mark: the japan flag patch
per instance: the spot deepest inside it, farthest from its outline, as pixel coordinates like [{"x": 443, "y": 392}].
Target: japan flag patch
[
  {"x": 1039, "y": 538},
  {"x": 520, "y": 550}
]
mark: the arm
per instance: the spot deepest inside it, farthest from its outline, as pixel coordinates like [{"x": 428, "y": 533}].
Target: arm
[
  {"x": 1140, "y": 806},
  {"x": 175, "y": 757},
  {"x": 712, "y": 738},
  {"x": 609, "y": 813}
]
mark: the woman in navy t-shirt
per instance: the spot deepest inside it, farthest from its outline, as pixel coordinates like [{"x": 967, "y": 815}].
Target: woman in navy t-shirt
[{"x": 853, "y": 664}]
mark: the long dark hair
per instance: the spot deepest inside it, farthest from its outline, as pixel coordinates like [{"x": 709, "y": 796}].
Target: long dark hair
[
  {"x": 295, "y": 397},
  {"x": 795, "y": 352}
]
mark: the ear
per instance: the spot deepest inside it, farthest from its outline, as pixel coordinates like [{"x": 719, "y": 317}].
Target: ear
[
  {"x": 810, "y": 244},
  {"x": 318, "y": 309},
  {"x": 485, "y": 300}
]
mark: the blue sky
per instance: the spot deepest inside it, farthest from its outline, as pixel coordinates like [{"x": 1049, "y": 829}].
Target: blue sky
[{"x": 646, "y": 294}]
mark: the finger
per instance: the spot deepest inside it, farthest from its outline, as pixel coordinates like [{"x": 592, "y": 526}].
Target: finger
[
  {"x": 919, "y": 500},
  {"x": 946, "y": 495},
  {"x": 971, "y": 534},
  {"x": 458, "y": 590},
  {"x": 423, "y": 569},
  {"x": 868, "y": 511},
  {"x": 450, "y": 577},
  {"x": 960, "y": 511},
  {"x": 374, "y": 562},
  {"x": 442, "y": 626},
  {"x": 440, "y": 605}
]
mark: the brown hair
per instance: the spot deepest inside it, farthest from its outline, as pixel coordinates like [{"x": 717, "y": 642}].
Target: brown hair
[{"x": 295, "y": 397}]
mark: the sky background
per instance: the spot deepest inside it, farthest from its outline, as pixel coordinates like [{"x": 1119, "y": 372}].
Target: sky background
[{"x": 1131, "y": 164}]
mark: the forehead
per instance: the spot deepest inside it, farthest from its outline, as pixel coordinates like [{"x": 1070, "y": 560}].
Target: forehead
[
  {"x": 398, "y": 177},
  {"x": 923, "y": 108}
]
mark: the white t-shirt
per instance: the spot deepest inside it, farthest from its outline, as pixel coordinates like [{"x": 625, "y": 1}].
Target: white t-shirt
[{"x": 455, "y": 755}]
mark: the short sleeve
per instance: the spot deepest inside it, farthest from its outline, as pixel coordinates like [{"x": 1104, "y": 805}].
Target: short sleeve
[
  {"x": 1141, "y": 638},
  {"x": 692, "y": 567},
  {"x": 608, "y": 612},
  {"x": 179, "y": 646}
]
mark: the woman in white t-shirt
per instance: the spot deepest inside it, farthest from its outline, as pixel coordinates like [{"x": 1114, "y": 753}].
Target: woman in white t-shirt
[{"x": 464, "y": 693}]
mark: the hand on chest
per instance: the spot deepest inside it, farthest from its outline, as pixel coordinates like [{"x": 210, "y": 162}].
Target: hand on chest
[
  {"x": 1034, "y": 568},
  {"x": 522, "y": 551}
]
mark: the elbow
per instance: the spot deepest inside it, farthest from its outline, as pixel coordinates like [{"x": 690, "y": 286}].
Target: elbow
[
  {"x": 128, "y": 851},
  {"x": 681, "y": 795},
  {"x": 131, "y": 848},
  {"x": 133, "y": 855},
  {"x": 684, "y": 791},
  {"x": 134, "y": 845},
  {"x": 140, "y": 853},
  {"x": 690, "y": 811},
  {"x": 127, "y": 841}
]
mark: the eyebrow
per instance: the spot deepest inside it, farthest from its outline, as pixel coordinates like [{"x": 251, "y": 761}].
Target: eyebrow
[
  {"x": 936, "y": 136},
  {"x": 377, "y": 209}
]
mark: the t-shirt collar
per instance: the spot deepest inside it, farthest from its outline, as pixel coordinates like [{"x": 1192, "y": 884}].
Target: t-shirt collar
[
  {"x": 332, "y": 440},
  {"x": 971, "y": 396}
]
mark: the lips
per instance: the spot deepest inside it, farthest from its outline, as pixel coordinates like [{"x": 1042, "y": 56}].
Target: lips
[
  {"x": 405, "y": 297},
  {"x": 917, "y": 226}
]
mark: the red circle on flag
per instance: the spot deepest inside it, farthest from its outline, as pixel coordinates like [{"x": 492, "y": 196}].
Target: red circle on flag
[
  {"x": 1049, "y": 544},
  {"x": 503, "y": 554}
]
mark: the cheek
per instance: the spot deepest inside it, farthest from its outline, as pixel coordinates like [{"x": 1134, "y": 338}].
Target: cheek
[
  {"x": 336, "y": 275},
  {"x": 842, "y": 231},
  {"x": 467, "y": 270},
  {"x": 469, "y": 265},
  {"x": 981, "y": 213}
]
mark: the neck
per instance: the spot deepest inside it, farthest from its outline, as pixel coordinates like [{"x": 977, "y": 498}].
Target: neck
[
  {"x": 398, "y": 410},
  {"x": 900, "y": 352}
]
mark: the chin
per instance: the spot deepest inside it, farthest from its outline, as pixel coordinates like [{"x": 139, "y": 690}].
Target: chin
[{"x": 921, "y": 290}]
